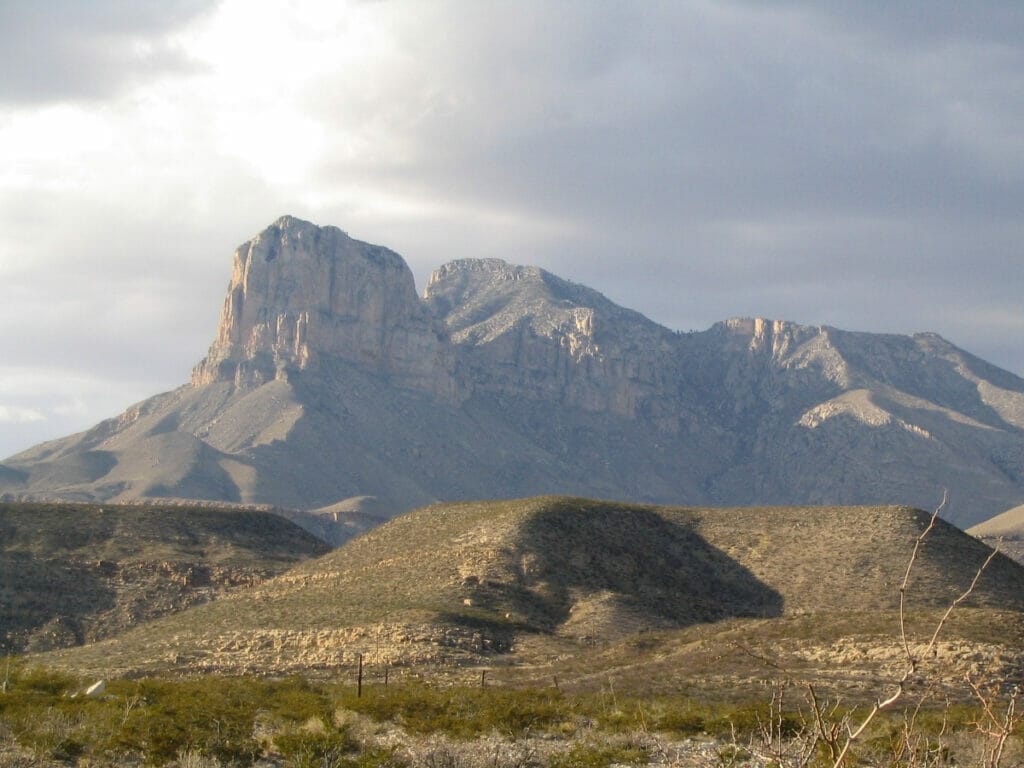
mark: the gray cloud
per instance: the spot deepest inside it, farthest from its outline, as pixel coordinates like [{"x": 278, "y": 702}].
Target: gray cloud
[{"x": 67, "y": 49}]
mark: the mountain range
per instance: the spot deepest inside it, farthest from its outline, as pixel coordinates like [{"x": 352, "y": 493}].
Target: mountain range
[{"x": 331, "y": 384}]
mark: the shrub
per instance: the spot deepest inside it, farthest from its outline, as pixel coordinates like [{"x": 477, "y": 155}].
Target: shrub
[
  {"x": 309, "y": 748},
  {"x": 212, "y": 716},
  {"x": 589, "y": 755},
  {"x": 461, "y": 712}
]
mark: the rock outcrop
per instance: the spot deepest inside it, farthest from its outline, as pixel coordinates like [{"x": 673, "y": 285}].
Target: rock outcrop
[
  {"x": 299, "y": 292},
  {"x": 330, "y": 379},
  {"x": 524, "y": 331}
]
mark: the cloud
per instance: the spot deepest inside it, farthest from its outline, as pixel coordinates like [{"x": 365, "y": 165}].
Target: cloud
[
  {"x": 793, "y": 161},
  {"x": 17, "y": 415},
  {"x": 50, "y": 401},
  {"x": 70, "y": 50}
]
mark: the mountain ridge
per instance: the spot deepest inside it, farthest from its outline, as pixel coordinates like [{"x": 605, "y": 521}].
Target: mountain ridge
[{"x": 329, "y": 378}]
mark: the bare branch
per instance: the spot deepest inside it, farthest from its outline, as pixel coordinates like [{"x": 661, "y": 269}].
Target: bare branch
[
  {"x": 966, "y": 593},
  {"x": 901, "y": 685},
  {"x": 906, "y": 576}
]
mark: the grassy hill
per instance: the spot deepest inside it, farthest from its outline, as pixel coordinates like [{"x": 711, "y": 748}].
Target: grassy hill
[
  {"x": 73, "y": 573},
  {"x": 658, "y": 597}
]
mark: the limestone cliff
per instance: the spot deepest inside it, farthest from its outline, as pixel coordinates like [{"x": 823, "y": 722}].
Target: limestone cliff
[{"x": 299, "y": 292}]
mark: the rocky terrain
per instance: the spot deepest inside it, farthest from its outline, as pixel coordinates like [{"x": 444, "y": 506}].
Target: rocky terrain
[
  {"x": 662, "y": 598},
  {"x": 75, "y": 573},
  {"x": 330, "y": 380}
]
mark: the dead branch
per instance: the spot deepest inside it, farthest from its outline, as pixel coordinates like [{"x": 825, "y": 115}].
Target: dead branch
[{"x": 900, "y": 687}]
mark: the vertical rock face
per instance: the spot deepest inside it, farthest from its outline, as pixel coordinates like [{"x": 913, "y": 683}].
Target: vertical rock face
[{"x": 299, "y": 292}]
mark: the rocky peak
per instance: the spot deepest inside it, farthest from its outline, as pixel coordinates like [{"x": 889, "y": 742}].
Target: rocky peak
[
  {"x": 481, "y": 299},
  {"x": 299, "y": 293},
  {"x": 530, "y": 333},
  {"x": 550, "y": 387}
]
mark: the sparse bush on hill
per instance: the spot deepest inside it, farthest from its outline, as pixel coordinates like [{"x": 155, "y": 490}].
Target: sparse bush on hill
[{"x": 908, "y": 724}]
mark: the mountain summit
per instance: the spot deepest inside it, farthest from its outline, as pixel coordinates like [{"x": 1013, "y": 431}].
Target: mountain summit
[{"x": 331, "y": 379}]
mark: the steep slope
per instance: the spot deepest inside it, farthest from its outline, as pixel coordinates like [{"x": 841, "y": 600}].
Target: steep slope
[
  {"x": 529, "y": 333},
  {"x": 72, "y": 573},
  {"x": 330, "y": 379},
  {"x": 564, "y": 582}
]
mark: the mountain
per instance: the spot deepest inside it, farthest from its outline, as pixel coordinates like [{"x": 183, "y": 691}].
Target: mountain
[
  {"x": 76, "y": 573},
  {"x": 570, "y": 587},
  {"x": 330, "y": 380}
]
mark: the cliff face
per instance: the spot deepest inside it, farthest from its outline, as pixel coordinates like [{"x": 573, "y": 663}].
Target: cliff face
[
  {"x": 523, "y": 331},
  {"x": 330, "y": 379},
  {"x": 299, "y": 292}
]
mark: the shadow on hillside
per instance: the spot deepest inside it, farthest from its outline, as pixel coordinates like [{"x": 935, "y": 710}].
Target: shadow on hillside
[
  {"x": 606, "y": 568},
  {"x": 45, "y": 602}
]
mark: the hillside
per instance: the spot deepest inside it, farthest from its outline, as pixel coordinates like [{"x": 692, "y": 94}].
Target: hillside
[
  {"x": 75, "y": 573},
  {"x": 571, "y": 587},
  {"x": 1004, "y": 531},
  {"x": 329, "y": 380}
]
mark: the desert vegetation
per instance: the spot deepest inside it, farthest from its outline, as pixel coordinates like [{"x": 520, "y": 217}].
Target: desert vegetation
[
  {"x": 928, "y": 697},
  {"x": 47, "y": 719}
]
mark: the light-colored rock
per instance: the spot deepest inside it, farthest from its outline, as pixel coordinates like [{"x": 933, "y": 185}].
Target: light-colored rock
[
  {"x": 299, "y": 292},
  {"x": 523, "y": 331}
]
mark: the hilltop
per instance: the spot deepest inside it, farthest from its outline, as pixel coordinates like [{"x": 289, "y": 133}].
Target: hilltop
[
  {"x": 330, "y": 380},
  {"x": 579, "y": 588}
]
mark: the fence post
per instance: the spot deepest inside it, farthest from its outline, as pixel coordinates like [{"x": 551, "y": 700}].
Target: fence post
[{"x": 359, "y": 679}]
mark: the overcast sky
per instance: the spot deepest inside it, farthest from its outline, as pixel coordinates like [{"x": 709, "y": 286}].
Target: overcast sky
[{"x": 853, "y": 164}]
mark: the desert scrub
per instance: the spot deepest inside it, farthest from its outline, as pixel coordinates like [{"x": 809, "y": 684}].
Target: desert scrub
[
  {"x": 155, "y": 719},
  {"x": 589, "y": 754},
  {"x": 211, "y": 716},
  {"x": 461, "y": 712},
  {"x": 36, "y": 713},
  {"x": 316, "y": 745}
]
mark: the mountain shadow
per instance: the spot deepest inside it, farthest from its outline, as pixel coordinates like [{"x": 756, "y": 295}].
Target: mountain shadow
[{"x": 598, "y": 569}]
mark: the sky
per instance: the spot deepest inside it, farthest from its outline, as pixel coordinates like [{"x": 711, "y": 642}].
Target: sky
[{"x": 853, "y": 164}]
